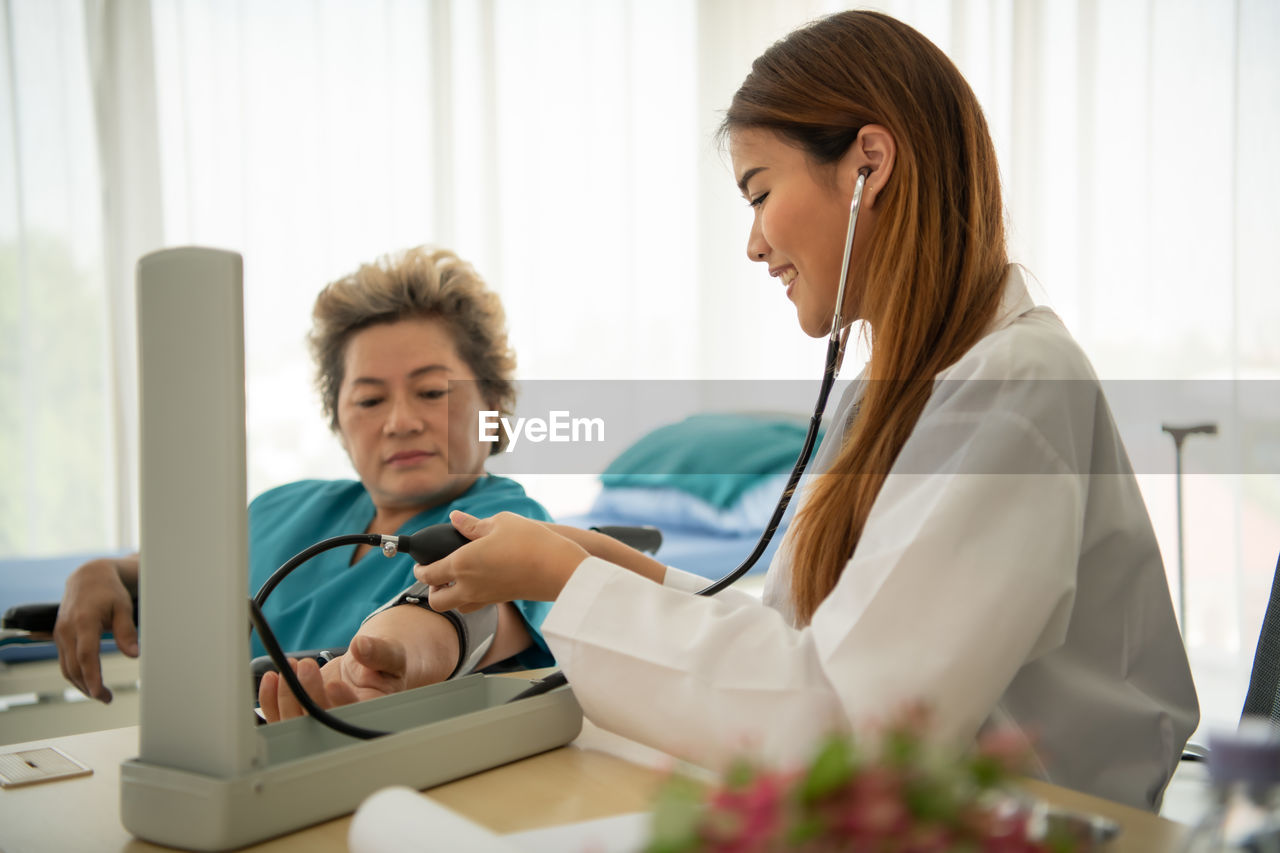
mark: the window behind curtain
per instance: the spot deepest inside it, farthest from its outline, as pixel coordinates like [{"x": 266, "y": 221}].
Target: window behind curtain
[{"x": 57, "y": 481}]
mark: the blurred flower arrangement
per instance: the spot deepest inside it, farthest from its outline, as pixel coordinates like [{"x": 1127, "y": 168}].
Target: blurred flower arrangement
[{"x": 899, "y": 794}]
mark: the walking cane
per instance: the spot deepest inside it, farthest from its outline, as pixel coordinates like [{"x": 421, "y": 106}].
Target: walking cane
[{"x": 1179, "y": 434}]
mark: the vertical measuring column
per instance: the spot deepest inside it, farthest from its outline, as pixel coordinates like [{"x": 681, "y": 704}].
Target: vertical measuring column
[{"x": 195, "y": 705}]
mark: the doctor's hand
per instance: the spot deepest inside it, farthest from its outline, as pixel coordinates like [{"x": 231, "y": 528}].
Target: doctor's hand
[
  {"x": 96, "y": 599},
  {"x": 509, "y": 557}
]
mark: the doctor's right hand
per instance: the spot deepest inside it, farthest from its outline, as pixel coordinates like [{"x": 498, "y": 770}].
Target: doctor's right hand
[{"x": 95, "y": 600}]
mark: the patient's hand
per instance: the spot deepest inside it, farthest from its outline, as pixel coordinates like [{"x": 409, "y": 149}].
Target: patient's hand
[
  {"x": 96, "y": 599},
  {"x": 372, "y": 667},
  {"x": 397, "y": 649}
]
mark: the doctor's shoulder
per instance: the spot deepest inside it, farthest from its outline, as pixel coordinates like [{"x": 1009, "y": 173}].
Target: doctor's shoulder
[
  {"x": 1035, "y": 346},
  {"x": 1025, "y": 384}
]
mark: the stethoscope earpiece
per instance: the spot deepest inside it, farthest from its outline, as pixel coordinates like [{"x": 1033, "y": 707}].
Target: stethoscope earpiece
[{"x": 854, "y": 207}]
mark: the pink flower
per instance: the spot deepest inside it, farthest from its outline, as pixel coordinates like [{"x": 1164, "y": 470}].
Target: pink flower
[
  {"x": 903, "y": 794},
  {"x": 872, "y": 805},
  {"x": 747, "y": 819},
  {"x": 1007, "y": 747}
]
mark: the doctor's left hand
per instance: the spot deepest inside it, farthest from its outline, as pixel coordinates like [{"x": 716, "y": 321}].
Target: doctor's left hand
[{"x": 509, "y": 557}]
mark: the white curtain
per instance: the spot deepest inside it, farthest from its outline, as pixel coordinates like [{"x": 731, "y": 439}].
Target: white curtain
[
  {"x": 57, "y": 429},
  {"x": 565, "y": 147}
]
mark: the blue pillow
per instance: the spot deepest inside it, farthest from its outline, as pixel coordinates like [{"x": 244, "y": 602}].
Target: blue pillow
[{"x": 715, "y": 457}]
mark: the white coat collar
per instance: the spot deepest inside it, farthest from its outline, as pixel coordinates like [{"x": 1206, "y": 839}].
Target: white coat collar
[{"x": 1014, "y": 301}]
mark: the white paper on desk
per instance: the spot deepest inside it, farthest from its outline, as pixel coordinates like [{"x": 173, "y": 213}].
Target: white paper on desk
[
  {"x": 619, "y": 834},
  {"x": 400, "y": 820}
]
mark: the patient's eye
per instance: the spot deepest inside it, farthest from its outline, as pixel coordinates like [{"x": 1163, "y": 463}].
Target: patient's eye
[
  {"x": 433, "y": 393},
  {"x": 367, "y": 402}
]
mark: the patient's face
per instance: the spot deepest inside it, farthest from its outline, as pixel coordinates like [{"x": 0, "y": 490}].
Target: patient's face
[{"x": 400, "y": 420}]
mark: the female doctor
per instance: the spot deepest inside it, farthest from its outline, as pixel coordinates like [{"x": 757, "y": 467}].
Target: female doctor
[{"x": 973, "y": 537}]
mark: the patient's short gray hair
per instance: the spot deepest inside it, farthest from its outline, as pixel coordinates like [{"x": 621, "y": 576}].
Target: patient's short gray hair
[{"x": 416, "y": 283}]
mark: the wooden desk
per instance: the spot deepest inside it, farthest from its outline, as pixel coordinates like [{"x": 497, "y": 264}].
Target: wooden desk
[{"x": 597, "y": 775}]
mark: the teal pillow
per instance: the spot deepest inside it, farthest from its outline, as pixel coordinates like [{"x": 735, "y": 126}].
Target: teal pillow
[{"x": 715, "y": 457}]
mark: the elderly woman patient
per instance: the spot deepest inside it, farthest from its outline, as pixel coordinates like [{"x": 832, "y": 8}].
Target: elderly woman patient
[{"x": 408, "y": 351}]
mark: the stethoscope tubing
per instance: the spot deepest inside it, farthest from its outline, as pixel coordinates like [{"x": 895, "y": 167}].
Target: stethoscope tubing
[{"x": 835, "y": 354}]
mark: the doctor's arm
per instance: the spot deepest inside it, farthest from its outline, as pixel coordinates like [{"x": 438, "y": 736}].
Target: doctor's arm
[
  {"x": 959, "y": 579},
  {"x": 607, "y": 548}
]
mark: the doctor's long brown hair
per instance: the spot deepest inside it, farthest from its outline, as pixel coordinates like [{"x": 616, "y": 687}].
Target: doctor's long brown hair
[{"x": 931, "y": 281}]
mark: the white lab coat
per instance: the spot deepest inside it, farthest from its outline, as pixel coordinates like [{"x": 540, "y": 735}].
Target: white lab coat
[{"x": 1007, "y": 575}]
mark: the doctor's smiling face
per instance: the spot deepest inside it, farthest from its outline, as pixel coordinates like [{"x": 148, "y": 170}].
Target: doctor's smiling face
[
  {"x": 400, "y": 420},
  {"x": 801, "y": 213}
]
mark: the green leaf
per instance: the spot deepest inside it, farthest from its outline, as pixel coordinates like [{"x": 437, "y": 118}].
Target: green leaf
[
  {"x": 987, "y": 771},
  {"x": 931, "y": 801},
  {"x": 901, "y": 748},
  {"x": 677, "y": 810},
  {"x": 806, "y": 829},
  {"x": 831, "y": 770},
  {"x": 740, "y": 775}
]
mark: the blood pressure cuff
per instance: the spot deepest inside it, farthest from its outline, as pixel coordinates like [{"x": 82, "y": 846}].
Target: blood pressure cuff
[{"x": 475, "y": 629}]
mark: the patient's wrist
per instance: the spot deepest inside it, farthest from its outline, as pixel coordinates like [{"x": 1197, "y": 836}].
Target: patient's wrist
[{"x": 429, "y": 640}]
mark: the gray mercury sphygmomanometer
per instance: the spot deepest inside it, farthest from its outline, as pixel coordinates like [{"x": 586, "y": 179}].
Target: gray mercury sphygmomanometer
[{"x": 426, "y": 545}]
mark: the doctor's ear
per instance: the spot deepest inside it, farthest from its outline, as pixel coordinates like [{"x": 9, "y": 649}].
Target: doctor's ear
[{"x": 873, "y": 151}]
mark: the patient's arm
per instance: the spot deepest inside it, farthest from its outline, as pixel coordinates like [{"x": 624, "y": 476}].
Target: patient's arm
[
  {"x": 396, "y": 649},
  {"x": 96, "y": 599}
]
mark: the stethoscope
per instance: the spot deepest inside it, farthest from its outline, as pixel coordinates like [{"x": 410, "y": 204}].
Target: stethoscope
[
  {"x": 835, "y": 355},
  {"x": 426, "y": 541}
]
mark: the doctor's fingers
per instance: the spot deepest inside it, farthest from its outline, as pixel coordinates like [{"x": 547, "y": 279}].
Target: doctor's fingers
[
  {"x": 483, "y": 565},
  {"x": 455, "y": 597},
  {"x": 472, "y": 527},
  {"x": 467, "y": 579},
  {"x": 443, "y": 573}
]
